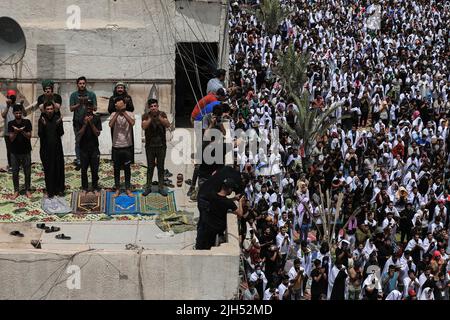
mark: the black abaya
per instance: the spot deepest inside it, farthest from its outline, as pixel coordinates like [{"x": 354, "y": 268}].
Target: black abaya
[
  {"x": 52, "y": 155},
  {"x": 338, "y": 292}
]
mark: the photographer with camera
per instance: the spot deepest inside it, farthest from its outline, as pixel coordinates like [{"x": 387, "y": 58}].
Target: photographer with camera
[
  {"x": 78, "y": 105},
  {"x": 213, "y": 214},
  {"x": 213, "y": 122},
  {"x": 8, "y": 115}
]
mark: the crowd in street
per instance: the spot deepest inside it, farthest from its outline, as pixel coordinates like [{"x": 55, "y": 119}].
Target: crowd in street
[{"x": 383, "y": 67}]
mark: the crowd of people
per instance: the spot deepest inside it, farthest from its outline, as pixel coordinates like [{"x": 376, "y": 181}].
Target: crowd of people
[{"x": 386, "y": 153}]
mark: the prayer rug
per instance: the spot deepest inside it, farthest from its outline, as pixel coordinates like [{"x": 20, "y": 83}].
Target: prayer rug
[
  {"x": 178, "y": 222},
  {"x": 88, "y": 203},
  {"x": 154, "y": 203},
  {"x": 23, "y": 209},
  {"x": 122, "y": 204}
]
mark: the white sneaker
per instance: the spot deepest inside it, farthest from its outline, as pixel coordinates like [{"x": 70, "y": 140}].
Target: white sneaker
[{"x": 165, "y": 234}]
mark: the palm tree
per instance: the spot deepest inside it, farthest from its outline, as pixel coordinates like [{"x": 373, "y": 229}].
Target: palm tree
[
  {"x": 310, "y": 123},
  {"x": 271, "y": 12}
]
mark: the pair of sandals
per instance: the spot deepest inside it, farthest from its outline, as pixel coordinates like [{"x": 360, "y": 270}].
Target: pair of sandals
[
  {"x": 47, "y": 228},
  {"x": 51, "y": 229}
]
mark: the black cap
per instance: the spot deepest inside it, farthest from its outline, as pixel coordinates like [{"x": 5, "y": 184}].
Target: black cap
[
  {"x": 229, "y": 183},
  {"x": 221, "y": 92}
]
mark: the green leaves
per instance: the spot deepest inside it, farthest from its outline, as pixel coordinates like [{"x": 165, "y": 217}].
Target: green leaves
[{"x": 272, "y": 14}]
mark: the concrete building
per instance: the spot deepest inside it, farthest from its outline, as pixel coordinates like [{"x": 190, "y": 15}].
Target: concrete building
[{"x": 152, "y": 45}]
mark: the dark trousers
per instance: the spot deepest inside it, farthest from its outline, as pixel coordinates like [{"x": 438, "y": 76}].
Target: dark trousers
[
  {"x": 89, "y": 158},
  {"x": 363, "y": 119},
  {"x": 8, "y": 150},
  {"x": 155, "y": 158},
  {"x": 195, "y": 176},
  {"x": 405, "y": 234},
  {"x": 206, "y": 237},
  {"x": 76, "y": 129},
  {"x": 122, "y": 158},
  {"x": 18, "y": 160}
]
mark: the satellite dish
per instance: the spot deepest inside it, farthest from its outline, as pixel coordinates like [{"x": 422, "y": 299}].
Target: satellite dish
[{"x": 12, "y": 41}]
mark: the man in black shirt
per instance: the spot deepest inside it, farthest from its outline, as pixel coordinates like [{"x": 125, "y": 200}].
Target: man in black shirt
[
  {"x": 154, "y": 123},
  {"x": 19, "y": 131},
  {"x": 319, "y": 284},
  {"x": 90, "y": 127},
  {"x": 213, "y": 214}
]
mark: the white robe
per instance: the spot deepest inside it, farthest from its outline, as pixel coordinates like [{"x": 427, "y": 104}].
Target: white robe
[{"x": 394, "y": 295}]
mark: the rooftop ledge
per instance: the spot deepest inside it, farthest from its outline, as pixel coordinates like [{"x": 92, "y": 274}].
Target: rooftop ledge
[{"x": 122, "y": 274}]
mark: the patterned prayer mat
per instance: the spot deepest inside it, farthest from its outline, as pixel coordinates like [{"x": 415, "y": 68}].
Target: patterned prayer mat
[
  {"x": 29, "y": 210},
  {"x": 88, "y": 203},
  {"x": 122, "y": 204},
  {"x": 154, "y": 203}
]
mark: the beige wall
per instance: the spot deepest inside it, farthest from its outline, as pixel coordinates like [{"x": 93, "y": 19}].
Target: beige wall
[
  {"x": 152, "y": 274},
  {"x": 123, "y": 39}
]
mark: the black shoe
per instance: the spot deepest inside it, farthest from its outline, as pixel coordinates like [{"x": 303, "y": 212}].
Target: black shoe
[
  {"x": 78, "y": 167},
  {"x": 16, "y": 233},
  {"x": 146, "y": 192},
  {"x": 167, "y": 173},
  {"x": 52, "y": 229},
  {"x": 163, "y": 192},
  {"x": 190, "y": 191}
]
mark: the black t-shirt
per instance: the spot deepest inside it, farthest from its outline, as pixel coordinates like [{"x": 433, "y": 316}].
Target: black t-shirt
[
  {"x": 155, "y": 134},
  {"x": 89, "y": 141},
  {"x": 20, "y": 145},
  {"x": 216, "y": 218},
  {"x": 318, "y": 287}
]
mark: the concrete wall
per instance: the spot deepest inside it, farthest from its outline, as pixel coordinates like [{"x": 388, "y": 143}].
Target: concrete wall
[
  {"x": 151, "y": 274},
  {"x": 117, "y": 39}
]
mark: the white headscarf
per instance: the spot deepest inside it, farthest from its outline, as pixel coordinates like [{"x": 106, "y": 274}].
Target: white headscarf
[
  {"x": 369, "y": 248},
  {"x": 394, "y": 295},
  {"x": 424, "y": 295}
]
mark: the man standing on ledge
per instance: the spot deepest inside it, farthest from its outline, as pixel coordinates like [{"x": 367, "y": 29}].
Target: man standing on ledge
[
  {"x": 213, "y": 212},
  {"x": 122, "y": 123},
  {"x": 78, "y": 102},
  {"x": 52, "y": 156},
  {"x": 154, "y": 123}
]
